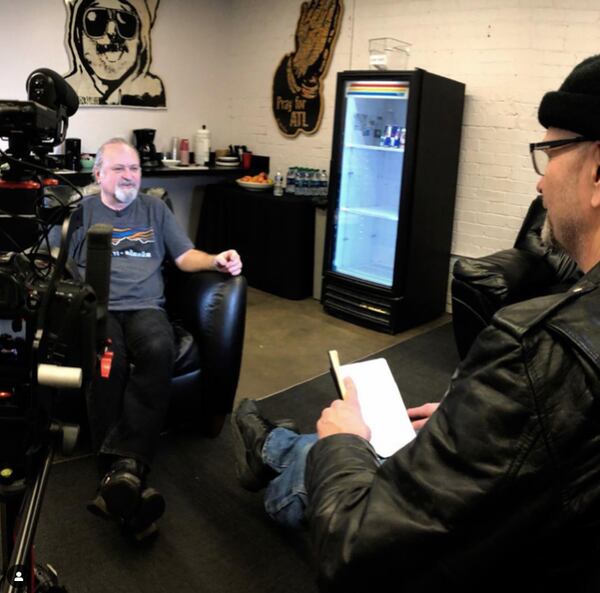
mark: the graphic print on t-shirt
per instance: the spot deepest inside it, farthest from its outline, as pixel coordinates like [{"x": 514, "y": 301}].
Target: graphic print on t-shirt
[{"x": 131, "y": 241}]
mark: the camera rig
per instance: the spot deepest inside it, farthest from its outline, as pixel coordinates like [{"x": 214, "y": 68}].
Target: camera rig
[{"x": 51, "y": 322}]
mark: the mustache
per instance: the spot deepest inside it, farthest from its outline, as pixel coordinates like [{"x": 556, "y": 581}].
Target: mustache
[{"x": 103, "y": 48}]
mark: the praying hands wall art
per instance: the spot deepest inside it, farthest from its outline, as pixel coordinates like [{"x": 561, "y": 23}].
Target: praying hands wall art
[{"x": 298, "y": 82}]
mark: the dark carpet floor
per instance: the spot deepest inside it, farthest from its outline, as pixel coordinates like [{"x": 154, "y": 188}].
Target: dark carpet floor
[
  {"x": 214, "y": 537},
  {"x": 421, "y": 366}
]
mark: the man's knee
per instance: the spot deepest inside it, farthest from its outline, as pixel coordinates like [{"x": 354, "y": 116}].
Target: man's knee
[{"x": 156, "y": 349}]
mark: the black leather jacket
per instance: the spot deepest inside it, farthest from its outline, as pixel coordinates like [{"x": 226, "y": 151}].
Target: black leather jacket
[{"x": 501, "y": 489}]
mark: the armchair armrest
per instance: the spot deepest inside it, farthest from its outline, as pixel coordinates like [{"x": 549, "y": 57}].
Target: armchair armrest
[
  {"x": 482, "y": 286},
  {"x": 505, "y": 277},
  {"x": 212, "y": 307}
]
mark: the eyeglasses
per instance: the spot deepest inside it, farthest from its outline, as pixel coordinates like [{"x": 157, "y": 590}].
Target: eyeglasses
[
  {"x": 540, "y": 151},
  {"x": 95, "y": 22}
]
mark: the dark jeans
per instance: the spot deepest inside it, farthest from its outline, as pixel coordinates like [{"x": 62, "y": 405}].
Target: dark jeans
[{"x": 127, "y": 411}]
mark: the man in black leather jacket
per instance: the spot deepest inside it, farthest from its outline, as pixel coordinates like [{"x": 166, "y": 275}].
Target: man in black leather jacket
[{"x": 500, "y": 490}]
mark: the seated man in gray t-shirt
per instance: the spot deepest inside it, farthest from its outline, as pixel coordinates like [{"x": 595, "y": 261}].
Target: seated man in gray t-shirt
[{"x": 127, "y": 410}]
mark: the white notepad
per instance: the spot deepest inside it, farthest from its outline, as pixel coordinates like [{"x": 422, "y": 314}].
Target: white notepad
[{"x": 381, "y": 405}]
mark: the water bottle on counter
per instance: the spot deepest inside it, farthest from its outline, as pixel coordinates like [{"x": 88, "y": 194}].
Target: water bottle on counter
[
  {"x": 278, "y": 185},
  {"x": 304, "y": 182},
  {"x": 309, "y": 181},
  {"x": 290, "y": 184},
  {"x": 299, "y": 181},
  {"x": 315, "y": 182},
  {"x": 202, "y": 146},
  {"x": 323, "y": 184}
]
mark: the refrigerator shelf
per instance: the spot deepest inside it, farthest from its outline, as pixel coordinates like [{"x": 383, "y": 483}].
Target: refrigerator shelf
[
  {"x": 366, "y": 273},
  {"x": 399, "y": 150},
  {"x": 372, "y": 213},
  {"x": 360, "y": 97}
]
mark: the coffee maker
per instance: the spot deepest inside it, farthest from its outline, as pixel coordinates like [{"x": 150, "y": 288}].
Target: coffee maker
[
  {"x": 73, "y": 154},
  {"x": 144, "y": 142}
]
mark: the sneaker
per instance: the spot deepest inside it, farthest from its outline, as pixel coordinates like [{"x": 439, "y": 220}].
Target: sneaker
[
  {"x": 120, "y": 488},
  {"x": 250, "y": 430}
]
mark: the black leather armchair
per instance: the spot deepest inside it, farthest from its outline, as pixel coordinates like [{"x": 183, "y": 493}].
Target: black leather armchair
[
  {"x": 483, "y": 285},
  {"x": 208, "y": 310}
]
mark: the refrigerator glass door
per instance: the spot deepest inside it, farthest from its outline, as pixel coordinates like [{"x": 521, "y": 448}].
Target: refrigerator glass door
[{"x": 371, "y": 180}]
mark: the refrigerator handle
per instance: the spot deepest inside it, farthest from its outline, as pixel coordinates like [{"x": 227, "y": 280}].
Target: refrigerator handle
[
  {"x": 334, "y": 181},
  {"x": 332, "y": 206}
]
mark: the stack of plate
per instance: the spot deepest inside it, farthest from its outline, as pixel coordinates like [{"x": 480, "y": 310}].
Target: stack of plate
[
  {"x": 227, "y": 161},
  {"x": 170, "y": 162}
]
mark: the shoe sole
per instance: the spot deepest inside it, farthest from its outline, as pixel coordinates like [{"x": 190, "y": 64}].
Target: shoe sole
[
  {"x": 121, "y": 495},
  {"x": 151, "y": 508},
  {"x": 97, "y": 507}
]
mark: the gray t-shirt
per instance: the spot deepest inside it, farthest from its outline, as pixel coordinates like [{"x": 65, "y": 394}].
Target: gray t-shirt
[{"x": 143, "y": 234}]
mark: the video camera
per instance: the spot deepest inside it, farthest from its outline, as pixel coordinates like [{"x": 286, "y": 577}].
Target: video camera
[
  {"x": 51, "y": 321},
  {"x": 41, "y": 123}
]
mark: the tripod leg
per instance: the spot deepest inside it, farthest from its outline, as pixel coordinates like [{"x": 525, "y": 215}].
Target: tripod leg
[
  {"x": 11, "y": 501},
  {"x": 26, "y": 526}
]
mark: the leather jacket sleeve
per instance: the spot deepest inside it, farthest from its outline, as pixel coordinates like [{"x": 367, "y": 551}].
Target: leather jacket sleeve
[{"x": 438, "y": 511}]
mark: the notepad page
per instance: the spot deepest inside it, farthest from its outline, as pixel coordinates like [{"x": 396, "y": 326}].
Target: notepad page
[{"x": 381, "y": 405}]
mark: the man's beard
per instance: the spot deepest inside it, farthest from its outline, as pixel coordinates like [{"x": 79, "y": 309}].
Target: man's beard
[
  {"x": 570, "y": 234},
  {"x": 126, "y": 194},
  {"x": 547, "y": 235}
]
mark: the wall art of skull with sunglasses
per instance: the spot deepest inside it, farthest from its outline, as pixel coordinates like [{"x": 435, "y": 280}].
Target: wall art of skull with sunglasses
[{"x": 110, "y": 46}]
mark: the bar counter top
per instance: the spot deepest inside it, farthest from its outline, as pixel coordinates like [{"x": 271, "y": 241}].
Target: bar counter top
[{"x": 259, "y": 163}]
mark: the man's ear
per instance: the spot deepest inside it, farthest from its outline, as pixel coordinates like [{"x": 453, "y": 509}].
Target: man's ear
[{"x": 595, "y": 198}]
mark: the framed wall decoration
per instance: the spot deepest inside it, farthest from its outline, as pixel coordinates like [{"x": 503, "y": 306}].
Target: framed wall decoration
[
  {"x": 110, "y": 48},
  {"x": 297, "y": 84}
]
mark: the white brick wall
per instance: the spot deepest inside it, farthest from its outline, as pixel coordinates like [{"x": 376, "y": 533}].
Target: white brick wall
[
  {"x": 507, "y": 52},
  {"x": 218, "y": 57},
  {"x": 190, "y": 46}
]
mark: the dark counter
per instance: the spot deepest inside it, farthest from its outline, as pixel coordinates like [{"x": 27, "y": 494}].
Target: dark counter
[
  {"x": 84, "y": 178},
  {"x": 259, "y": 163},
  {"x": 273, "y": 235}
]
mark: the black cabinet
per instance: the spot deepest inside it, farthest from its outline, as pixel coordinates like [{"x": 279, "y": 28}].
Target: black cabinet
[{"x": 273, "y": 235}]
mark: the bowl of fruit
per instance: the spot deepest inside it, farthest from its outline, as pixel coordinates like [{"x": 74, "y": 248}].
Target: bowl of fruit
[{"x": 258, "y": 182}]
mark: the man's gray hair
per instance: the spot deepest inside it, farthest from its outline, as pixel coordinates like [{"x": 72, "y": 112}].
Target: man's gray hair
[{"x": 100, "y": 153}]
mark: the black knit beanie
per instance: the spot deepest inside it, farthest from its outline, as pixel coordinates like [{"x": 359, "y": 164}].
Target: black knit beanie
[{"x": 575, "y": 106}]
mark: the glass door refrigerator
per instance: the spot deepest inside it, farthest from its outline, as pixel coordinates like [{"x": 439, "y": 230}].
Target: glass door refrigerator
[{"x": 391, "y": 199}]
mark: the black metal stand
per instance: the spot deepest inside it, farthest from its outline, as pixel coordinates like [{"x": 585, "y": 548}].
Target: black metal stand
[{"x": 20, "y": 506}]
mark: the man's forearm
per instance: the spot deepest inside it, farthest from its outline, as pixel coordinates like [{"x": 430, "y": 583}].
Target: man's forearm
[{"x": 195, "y": 260}]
